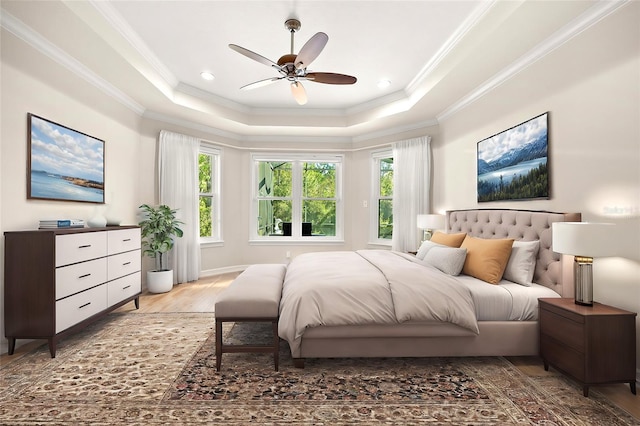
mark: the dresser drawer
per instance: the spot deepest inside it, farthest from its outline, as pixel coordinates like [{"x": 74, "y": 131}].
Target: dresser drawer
[
  {"x": 123, "y": 288},
  {"x": 74, "y": 248},
  {"x": 81, "y": 306},
  {"x": 123, "y": 264},
  {"x": 563, "y": 358},
  {"x": 562, "y": 329},
  {"x": 75, "y": 278},
  {"x": 123, "y": 240}
]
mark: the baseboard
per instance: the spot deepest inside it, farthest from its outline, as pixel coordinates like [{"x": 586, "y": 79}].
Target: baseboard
[{"x": 225, "y": 270}]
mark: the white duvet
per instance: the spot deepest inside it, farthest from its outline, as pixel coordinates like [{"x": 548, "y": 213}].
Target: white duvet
[{"x": 368, "y": 287}]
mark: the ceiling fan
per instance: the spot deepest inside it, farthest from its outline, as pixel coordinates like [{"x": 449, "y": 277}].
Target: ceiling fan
[{"x": 293, "y": 67}]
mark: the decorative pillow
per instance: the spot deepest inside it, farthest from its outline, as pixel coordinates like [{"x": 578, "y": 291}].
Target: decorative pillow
[
  {"x": 522, "y": 263},
  {"x": 451, "y": 240},
  {"x": 447, "y": 259},
  {"x": 424, "y": 248},
  {"x": 486, "y": 258}
]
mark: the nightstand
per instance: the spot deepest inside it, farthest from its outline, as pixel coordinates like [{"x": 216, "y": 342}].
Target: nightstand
[{"x": 593, "y": 344}]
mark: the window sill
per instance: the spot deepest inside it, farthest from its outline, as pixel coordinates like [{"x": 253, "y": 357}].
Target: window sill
[
  {"x": 296, "y": 242},
  {"x": 211, "y": 243}
]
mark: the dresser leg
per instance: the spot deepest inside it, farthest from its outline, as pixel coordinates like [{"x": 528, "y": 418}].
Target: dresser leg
[
  {"x": 632, "y": 385},
  {"x": 137, "y": 302},
  {"x": 546, "y": 365},
  {"x": 12, "y": 345},
  {"x": 585, "y": 390}
]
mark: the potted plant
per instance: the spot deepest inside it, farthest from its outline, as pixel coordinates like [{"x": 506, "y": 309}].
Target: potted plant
[{"x": 159, "y": 227}]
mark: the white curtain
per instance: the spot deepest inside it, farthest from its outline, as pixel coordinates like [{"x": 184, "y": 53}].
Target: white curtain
[
  {"x": 411, "y": 186},
  {"x": 178, "y": 184}
]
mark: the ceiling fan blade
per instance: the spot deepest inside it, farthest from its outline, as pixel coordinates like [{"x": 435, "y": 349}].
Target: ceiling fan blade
[
  {"x": 330, "y": 78},
  {"x": 311, "y": 50},
  {"x": 260, "y": 83},
  {"x": 300, "y": 95},
  {"x": 252, "y": 55}
]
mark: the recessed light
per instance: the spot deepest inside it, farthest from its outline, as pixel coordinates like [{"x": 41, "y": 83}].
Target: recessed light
[
  {"x": 384, "y": 83},
  {"x": 207, "y": 75}
]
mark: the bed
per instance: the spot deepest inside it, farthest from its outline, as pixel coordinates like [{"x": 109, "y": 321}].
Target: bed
[{"x": 379, "y": 303}]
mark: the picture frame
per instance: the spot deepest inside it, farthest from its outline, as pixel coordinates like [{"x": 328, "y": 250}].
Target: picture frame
[
  {"x": 513, "y": 164},
  {"x": 63, "y": 164}
]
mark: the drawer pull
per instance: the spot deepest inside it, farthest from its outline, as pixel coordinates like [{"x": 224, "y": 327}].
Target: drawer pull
[
  {"x": 126, "y": 287},
  {"x": 126, "y": 263},
  {"x": 126, "y": 239},
  {"x": 82, "y": 306},
  {"x": 84, "y": 276},
  {"x": 85, "y": 246}
]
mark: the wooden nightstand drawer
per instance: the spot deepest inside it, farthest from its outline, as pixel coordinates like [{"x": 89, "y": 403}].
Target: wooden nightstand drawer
[
  {"x": 562, "y": 329},
  {"x": 564, "y": 358}
]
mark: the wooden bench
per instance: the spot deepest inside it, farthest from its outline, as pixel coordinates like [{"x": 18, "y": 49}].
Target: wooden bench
[{"x": 254, "y": 296}]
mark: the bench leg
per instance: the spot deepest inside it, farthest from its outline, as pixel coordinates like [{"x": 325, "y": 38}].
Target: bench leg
[{"x": 218, "y": 344}]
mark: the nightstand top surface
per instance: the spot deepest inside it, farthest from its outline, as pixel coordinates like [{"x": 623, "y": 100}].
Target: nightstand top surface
[{"x": 597, "y": 308}]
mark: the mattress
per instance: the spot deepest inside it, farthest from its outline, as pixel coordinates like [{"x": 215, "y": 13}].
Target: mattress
[{"x": 505, "y": 301}]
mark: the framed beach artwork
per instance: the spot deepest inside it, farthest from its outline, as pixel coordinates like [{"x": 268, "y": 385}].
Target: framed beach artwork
[
  {"x": 512, "y": 165},
  {"x": 64, "y": 164}
]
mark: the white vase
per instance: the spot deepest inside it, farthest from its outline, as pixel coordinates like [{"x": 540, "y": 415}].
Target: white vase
[
  {"x": 159, "y": 281},
  {"x": 98, "y": 221}
]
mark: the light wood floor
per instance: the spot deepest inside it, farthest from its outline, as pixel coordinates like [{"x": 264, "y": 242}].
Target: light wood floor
[{"x": 200, "y": 296}]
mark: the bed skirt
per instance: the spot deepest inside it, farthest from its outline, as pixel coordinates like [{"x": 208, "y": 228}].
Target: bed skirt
[{"x": 506, "y": 338}]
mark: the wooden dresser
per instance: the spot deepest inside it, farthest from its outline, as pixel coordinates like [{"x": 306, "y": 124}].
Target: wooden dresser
[
  {"x": 593, "y": 344},
  {"x": 57, "y": 281}
]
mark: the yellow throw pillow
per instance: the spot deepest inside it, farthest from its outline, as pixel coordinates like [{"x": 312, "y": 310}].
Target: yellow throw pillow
[
  {"x": 486, "y": 258},
  {"x": 451, "y": 240}
]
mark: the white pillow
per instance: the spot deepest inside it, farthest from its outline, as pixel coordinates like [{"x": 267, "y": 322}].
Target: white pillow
[
  {"x": 449, "y": 260},
  {"x": 522, "y": 263},
  {"x": 425, "y": 247}
]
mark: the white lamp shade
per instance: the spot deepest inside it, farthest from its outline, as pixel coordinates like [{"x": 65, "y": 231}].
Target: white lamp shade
[
  {"x": 430, "y": 221},
  {"x": 583, "y": 238}
]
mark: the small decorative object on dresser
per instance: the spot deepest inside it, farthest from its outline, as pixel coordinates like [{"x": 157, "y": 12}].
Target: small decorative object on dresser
[
  {"x": 593, "y": 344},
  {"x": 57, "y": 281},
  {"x": 159, "y": 226}
]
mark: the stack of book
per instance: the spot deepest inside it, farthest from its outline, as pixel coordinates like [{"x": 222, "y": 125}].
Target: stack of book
[{"x": 61, "y": 223}]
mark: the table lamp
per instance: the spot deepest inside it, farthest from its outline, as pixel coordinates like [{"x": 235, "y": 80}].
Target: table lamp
[
  {"x": 583, "y": 240},
  {"x": 429, "y": 222}
]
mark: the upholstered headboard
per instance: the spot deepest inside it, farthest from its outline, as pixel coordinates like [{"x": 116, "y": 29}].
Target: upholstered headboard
[{"x": 522, "y": 225}]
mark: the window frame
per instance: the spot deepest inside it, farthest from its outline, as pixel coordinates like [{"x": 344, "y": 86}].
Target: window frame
[
  {"x": 215, "y": 194},
  {"x": 376, "y": 158},
  {"x": 297, "y": 198}
]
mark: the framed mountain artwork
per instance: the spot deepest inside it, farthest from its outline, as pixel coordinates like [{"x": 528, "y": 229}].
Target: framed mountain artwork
[{"x": 513, "y": 164}]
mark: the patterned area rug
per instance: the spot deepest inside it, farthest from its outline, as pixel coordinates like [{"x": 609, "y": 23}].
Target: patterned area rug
[{"x": 160, "y": 369}]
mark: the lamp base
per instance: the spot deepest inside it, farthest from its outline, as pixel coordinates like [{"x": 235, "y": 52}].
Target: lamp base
[{"x": 583, "y": 280}]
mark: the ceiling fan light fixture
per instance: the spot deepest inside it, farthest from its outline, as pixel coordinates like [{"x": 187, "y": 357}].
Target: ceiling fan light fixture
[
  {"x": 299, "y": 94},
  {"x": 206, "y": 75},
  {"x": 293, "y": 67}
]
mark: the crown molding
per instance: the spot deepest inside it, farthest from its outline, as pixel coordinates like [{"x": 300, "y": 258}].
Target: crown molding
[
  {"x": 589, "y": 18},
  {"x": 395, "y": 130},
  {"x": 44, "y": 46},
  {"x": 449, "y": 45},
  {"x": 111, "y": 15}
]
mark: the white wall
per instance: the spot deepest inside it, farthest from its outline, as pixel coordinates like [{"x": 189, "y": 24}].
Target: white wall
[{"x": 591, "y": 89}]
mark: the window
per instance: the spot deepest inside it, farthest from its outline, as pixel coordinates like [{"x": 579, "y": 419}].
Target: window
[
  {"x": 297, "y": 197},
  {"x": 209, "y": 200},
  {"x": 382, "y": 202}
]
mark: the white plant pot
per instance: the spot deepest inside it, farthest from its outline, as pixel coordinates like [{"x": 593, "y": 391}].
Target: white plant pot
[{"x": 159, "y": 281}]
